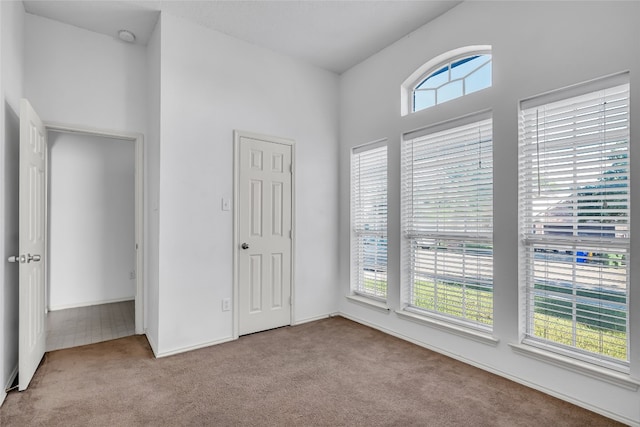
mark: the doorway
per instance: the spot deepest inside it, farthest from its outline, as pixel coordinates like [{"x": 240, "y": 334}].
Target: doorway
[
  {"x": 94, "y": 265},
  {"x": 263, "y": 232},
  {"x": 91, "y": 268}
]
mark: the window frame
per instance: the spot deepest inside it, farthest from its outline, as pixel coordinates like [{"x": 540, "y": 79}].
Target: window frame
[
  {"x": 528, "y": 239},
  {"x": 379, "y": 271},
  {"x": 409, "y": 86},
  {"x": 408, "y": 239}
]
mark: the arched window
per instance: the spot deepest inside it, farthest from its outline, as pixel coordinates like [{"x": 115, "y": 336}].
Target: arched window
[{"x": 448, "y": 76}]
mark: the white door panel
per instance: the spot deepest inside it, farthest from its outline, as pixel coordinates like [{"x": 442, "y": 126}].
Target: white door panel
[
  {"x": 32, "y": 331},
  {"x": 265, "y": 220}
]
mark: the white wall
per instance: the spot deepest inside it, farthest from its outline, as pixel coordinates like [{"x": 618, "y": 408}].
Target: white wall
[
  {"x": 212, "y": 84},
  {"x": 91, "y": 220},
  {"x": 536, "y": 48},
  {"x": 75, "y": 76},
  {"x": 152, "y": 190},
  {"x": 11, "y": 90}
]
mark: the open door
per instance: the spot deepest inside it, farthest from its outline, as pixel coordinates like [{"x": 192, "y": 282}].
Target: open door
[{"x": 32, "y": 201}]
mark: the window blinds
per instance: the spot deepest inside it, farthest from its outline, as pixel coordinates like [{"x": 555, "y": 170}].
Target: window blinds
[
  {"x": 369, "y": 219},
  {"x": 447, "y": 216},
  {"x": 574, "y": 218}
]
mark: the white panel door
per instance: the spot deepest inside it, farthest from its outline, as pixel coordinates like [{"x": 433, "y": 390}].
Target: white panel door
[
  {"x": 32, "y": 331},
  {"x": 264, "y": 234}
]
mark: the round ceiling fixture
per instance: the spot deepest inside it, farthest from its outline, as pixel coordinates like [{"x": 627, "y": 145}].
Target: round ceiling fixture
[{"x": 127, "y": 36}]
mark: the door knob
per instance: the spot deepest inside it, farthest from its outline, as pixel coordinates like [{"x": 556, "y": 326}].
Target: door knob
[
  {"x": 34, "y": 258},
  {"x": 244, "y": 246},
  {"x": 24, "y": 258}
]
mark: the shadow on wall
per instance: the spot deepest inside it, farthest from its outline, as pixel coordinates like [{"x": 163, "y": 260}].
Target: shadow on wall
[{"x": 11, "y": 216}]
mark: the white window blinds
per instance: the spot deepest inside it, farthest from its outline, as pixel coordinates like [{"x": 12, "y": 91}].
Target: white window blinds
[
  {"x": 369, "y": 220},
  {"x": 574, "y": 218},
  {"x": 447, "y": 217}
]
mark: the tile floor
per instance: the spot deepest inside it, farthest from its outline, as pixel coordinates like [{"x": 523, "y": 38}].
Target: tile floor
[{"x": 86, "y": 325}]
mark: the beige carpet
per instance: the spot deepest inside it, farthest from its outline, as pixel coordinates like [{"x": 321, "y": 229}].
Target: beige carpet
[{"x": 332, "y": 372}]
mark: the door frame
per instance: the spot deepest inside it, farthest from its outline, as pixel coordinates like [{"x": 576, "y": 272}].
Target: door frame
[
  {"x": 138, "y": 140},
  {"x": 237, "y": 135}
]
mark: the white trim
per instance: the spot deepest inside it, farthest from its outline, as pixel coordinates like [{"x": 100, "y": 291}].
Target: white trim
[
  {"x": 237, "y": 134},
  {"x": 152, "y": 344},
  {"x": 584, "y": 368},
  {"x": 193, "y": 347},
  {"x": 368, "y": 302},
  {"x": 138, "y": 140},
  {"x": 236, "y": 230},
  {"x": 84, "y": 130},
  {"x": 540, "y": 204},
  {"x": 355, "y": 188},
  {"x": 578, "y": 89},
  {"x": 89, "y": 304},
  {"x": 467, "y": 119},
  {"x": 47, "y": 243},
  {"x": 574, "y": 353},
  {"x": 369, "y": 146},
  {"x": 313, "y": 319},
  {"x": 12, "y": 377},
  {"x": 499, "y": 372},
  {"x": 474, "y": 334}
]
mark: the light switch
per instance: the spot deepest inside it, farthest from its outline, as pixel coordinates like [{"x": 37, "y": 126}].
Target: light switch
[{"x": 226, "y": 204}]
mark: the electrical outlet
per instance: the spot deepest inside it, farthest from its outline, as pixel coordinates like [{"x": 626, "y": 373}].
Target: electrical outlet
[
  {"x": 132, "y": 275},
  {"x": 226, "y": 304}
]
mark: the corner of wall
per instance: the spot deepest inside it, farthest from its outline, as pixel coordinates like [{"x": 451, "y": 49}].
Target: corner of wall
[
  {"x": 151, "y": 190},
  {"x": 3, "y": 395}
]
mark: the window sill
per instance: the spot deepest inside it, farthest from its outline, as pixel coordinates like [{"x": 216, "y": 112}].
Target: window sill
[
  {"x": 476, "y": 335},
  {"x": 368, "y": 302},
  {"x": 616, "y": 378}
]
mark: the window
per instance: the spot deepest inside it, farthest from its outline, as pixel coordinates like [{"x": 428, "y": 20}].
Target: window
[
  {"x": 574, "y": 219},
  {"x": 369, "y": 220},
  {"x": 447, "y": 218},
  {"x": 458, "y": 76}
]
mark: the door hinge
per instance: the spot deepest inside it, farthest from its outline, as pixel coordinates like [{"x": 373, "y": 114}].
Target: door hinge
[
  {"x": 290, "y": 234},
  {"x": 291, "y": 168},
  {"x": 289, "y": 300}
]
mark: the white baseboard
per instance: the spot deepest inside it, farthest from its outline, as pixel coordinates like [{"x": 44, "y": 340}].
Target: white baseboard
[
  {"x": 152, "y": 344},
  {"x": 10, "y": 380},
  {"x": 313, "y": 319},
  {"x": 192, "y": 347},
  {"x": 224, "y": 340},
  {"x": 90, "y": 303},
  {"x": 498, "y": 372},
  {"x": 12, "y": 377}
]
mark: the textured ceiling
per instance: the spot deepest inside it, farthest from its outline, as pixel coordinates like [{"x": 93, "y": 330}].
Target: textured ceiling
[{"x": 334, "y": 35}]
